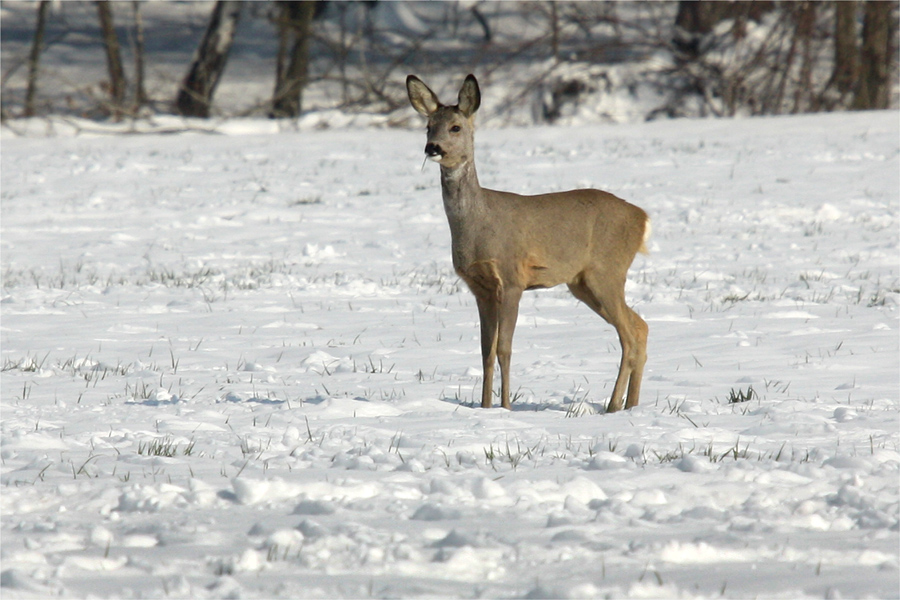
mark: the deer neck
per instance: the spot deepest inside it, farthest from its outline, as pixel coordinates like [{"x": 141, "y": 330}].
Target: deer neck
[{"x": 461, "y": 192}]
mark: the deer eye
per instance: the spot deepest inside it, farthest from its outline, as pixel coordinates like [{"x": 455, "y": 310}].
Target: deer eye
[{"x": 455, "y": 129}]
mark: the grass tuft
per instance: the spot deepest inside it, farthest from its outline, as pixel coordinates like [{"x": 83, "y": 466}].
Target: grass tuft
[{"x": 739, "y": 395}]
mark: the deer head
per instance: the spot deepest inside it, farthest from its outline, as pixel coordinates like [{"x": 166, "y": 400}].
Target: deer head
[{"x": 451, "y": 129}]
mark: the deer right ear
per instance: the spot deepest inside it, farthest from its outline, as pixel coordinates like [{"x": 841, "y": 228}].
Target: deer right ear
[{"x": 421, "y": 97}]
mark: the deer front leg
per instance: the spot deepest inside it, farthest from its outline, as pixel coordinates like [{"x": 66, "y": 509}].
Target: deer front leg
[
  {"x": 484, "y": 280},
  {"x": 509, "y": 313},
  {"x": 488, "y": 314}
]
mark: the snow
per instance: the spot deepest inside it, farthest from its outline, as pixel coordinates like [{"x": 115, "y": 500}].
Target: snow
[{"x": 238, "y": 364}]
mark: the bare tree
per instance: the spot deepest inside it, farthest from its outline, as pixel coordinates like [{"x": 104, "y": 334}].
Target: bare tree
[
  {"x": 846, "y": 50},
  {"x": 294, "y": 22},
  {"x": 197, "y": 89},
  {"x": 113, "y": 58},
  {"x": 485, "y": 26},
  {"x": 692, "y": 22},
  {"x": 877, "y": 53},
  {"x": 805, "y": 19},
  {"x": 696, "y": 20},
  {"x": 140, "y": 94},
  {"x": 554, "y": 29},
  {"x": 34, "y": 59}
]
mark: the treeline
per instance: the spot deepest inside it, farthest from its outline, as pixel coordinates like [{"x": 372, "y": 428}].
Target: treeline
[
  {"x": 853, "y": 44},
  {"x": 194, "y": 96},
  {"x": 723, "y": 58}
]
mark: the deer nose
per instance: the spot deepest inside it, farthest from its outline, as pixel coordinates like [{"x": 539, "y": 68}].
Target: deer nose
[{"x": 433, "y": 150}]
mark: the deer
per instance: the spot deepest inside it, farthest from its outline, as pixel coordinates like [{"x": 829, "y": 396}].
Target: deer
[{"x": 503, "y": 244}]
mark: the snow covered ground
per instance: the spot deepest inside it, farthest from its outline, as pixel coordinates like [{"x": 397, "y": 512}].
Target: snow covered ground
[{"x": 240, "y": 366}]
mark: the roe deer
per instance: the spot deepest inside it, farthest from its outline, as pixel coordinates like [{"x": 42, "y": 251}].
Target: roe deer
[{"x": 504, "y": 243}]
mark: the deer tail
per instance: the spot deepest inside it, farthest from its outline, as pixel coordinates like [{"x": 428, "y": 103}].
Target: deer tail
[{"x": 648, "y": 230}]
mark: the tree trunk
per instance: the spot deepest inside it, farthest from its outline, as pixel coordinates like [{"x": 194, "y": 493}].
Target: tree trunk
[
  {"x": 294, "y": 21},
  {"x": 874, "y": 85},
  {"x": 846, "y": 53},
  {"x": 804, "y": 25},
  {"x": 554, "y": 29},
  {"x": 692, "y": 22},
  {"x": 343, "y": 52},
  {"x": 695, "y": 20},
  {"x": 196, "y": 92},
  {"x": 113, "y": 58},
  {"x": 34, "y": 58},
  {"x": 140, "y": 94},
  {"x": 695, "y": 17}
]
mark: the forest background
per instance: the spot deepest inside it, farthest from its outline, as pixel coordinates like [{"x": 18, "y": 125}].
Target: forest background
[{"x": 546, "y": 62}]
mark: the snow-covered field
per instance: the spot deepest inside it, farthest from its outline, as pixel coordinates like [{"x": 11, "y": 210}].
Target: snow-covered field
[{"x": 240, "y": 366}]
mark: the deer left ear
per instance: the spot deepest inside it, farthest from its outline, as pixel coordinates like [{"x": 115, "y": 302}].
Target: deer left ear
[{"x": 469, "y": 96}]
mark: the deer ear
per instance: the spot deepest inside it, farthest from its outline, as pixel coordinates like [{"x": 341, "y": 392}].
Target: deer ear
[
  {"x": 469, "y": 96},
  {"x": 421, "y": 97}
]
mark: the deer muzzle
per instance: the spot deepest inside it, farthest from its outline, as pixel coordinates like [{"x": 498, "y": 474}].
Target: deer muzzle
[{"x": 433, "y": 151}]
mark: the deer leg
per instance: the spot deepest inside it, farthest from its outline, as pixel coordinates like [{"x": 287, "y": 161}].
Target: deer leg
[
  {"x": 616, "y": 318},
  {"x": 607, "y": 299},
  {"x": 488, "y": 314},
  {"x": 641, "y": 331},
  {"x": 509, "y": 313},
  {"x": 634, "y": 355},
  {"x": 484, "y": 281}
]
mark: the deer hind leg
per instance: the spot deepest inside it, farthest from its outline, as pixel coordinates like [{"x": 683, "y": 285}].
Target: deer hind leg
[
  {"x": 606, "y": 297},
  {"x": 641, "y": 331}
]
